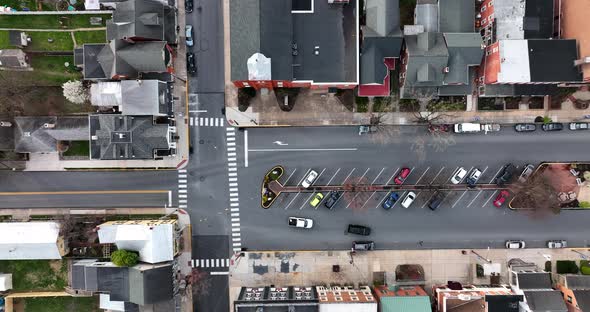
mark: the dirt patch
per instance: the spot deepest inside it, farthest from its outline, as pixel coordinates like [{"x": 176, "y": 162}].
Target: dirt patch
[
  {"x": 561, "y": 178},
  {"x": 38, "y": 101}
]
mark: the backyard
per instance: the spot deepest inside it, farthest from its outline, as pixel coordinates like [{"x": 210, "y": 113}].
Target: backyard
[
  {"x": 57, "y": 21},
  {"x": 57, "y": 304},
  {"x": 36, "y": 275}
]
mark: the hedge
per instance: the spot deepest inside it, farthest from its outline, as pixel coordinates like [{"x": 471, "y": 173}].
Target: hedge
[{"x": 566, "y": 266}]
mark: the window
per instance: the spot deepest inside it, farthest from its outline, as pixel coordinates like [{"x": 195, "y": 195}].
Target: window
[
  {"x": 491, "y": 18},
  {"x": 491, "y": 3},
  {"x": 488, "y": 52},
  {"x": 495, "y": 49},
  {"x": 483, "y": 8},
  {"x": 570, "y": 299},
  {"x": 245, "y": 84},
  {"x": 280, "y": 84}
]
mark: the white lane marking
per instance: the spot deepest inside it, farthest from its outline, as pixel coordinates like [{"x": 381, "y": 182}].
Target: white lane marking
[
  {"x": 364, "y": 174},
  {"x": 232, "y": 164},
  {"x": 307, "y": 200},
  {"x": 231, "y": 149},
  {"x": 233, "y": 184},
  {"x": 232, "y": 154},
  {"x": 235, "y": 229},
  {"x": 233, "y": 179},
  {"x": 192, "y": 121},
  {"x": 392, "y": 176},
  {"x": 236, "y": 234},
  {"x": 217, "y": 122},
  {"x": 232, "y": 174},
  {"x": 236, "y": 239},
  {"x": 436, "y": 176},
  {"x": 233, "y": 189},
  {"x": 233, "y": 194},
  {"x": 363, "y": 206},
  {"x": 221, "y": 121},
  {"x": 231, "y": 138},
  {"x": 377, "y": 177},
  {"x": 232, "y": 169},
  {"x": 182, "y": 186},
  {"x": 181, "y": 191},
  {"x": 235, "y": 225},
  {"x": 206, "y": 122},
  {"x": 348, "y": 176},
  {"x": 222, "y": 272},
  {"x": 182, "y": 171},
  {"x": 233, "y": 199},
  {"x": 333, "y": 176},
  {"x": 288, "y": 178},
  {"x": 231, "y": 143},
  {"x": 497, "y": 173},
  {"x": 183, "y": 201},
  {"x": 420, "y": 178},
  {"x": 235, "y": 219},
  {"x": 235, "y": 214},
  {"x": 198, "y": 111},
  {"x": 296, "y": 195},
  {"x": 302, "y": 149},
  {"x": 182, "y": 181},
  {"x": 457, "y": 201},
  {"x": 232, "y": 159},
  {"x": 230, "y": 133},
  {"x": 207, "y": 263},
  {"x": 236, "y": 244},
  {"x": 484, "y": 204},
  {"x": 452, "y": 174},
  {"x": 234, "y": 209},
  {"x": 211, "y": 121},
  {"x": 236, "y": 249},
  {"x": 474, "y": 198},
  {"x": 305, "y": 175},
  {"x": 182, "y": 176},
  {"x": 182, "y": 196},
  {"x": 246, "y": 148},
  {"x": 234, "y": 204},
  {"x": 230, "y": 129}
]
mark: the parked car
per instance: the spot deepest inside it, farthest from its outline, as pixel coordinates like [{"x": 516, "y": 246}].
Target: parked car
[
  {"x": 473, "y": 177},
  {"x": 579, "y": 126},
  {"x": 402, "y": 175},
  {"x": 501, "y": 198},
  {"x": 309, "y": 179},
  {"x": 188, "y": 33},
  {"x": 188, "y": 6},
  {"x": 390, "y": 200},
  {"x": 525, "y": 127},
  {"x": 300, "y": 222},
  {"x": 458, "y": 175},
  {"x": 505, "y": 175},
  {"x": 332, "y": 199},
  {"x": 556, "y": 244},
  {"x": 191, "y": 66},
  {"x": 317, "y": 198},
  {"x": 409, "y": 199},
  {"x": 363, "y": 245},
  {"x": 515, "y": 244},
  {"x": 526, "y": 173},
  {"x": 553, "y": 126},
  {"x": 359, "y": 229},
  {"x": 436, "y": 200}
]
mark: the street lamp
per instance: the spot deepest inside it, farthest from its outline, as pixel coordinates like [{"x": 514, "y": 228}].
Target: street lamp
[{"x": 480, "y": 257}]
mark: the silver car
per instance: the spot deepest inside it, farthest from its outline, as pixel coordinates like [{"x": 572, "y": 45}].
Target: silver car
[
  {"x": 188, "y": 33},
  {"x": 309, "y": 179},
  {"x": 526, "y": 173},
  {"x": 556, "y": 244}
]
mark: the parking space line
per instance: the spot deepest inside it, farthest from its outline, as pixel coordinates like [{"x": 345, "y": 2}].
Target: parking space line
[
  {"x": 495, "y": 175},
  {"x": 348, "y": 176},
  {"x": 364, "y": 174},
  {"x": 465, "y": 177},
  {"x": 422, "y": 175},
  {"x": 436, "y": 176},
  {"x": 333, "y": 176},
  {"x": 400, "y": 199},
  {"x": 449, "y": 179},
  {"x": 307, "y": 201},
  {"x": 377, "y": 177},
  {"x": 305, "y": 175},
  {"x": 426, "y": 202},
  {"x": 352, "y": 200},
  {"x": 484, "y": 204},
  {"x": 474, "y": 198},
  {"x": 465, "y": 192},
  {"x": 392, "y": 176},
  {"x": 288, "y": 178},
  {"x": 484, "y": 171},
  {"x": 292, "y": 200},
  {"x": 363, "y": 206}
]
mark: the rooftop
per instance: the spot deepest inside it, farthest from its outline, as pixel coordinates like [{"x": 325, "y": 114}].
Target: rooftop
[
  {"x": 537, "y": 280},
  {"x": 30, "y": 241},
  {"x": 523, "y": 19},
  {"x": 583, "y": 299},
  {"x": 545, "y": 301},
  {"x": 573, "y": 26},
  {"x": 277, "y": 299},
  {"x": 577, "y": 281},
  {"x": 146, "y": 19},
  {"x": 456, "y": 16},
  {"x": 42, "y": 134}
]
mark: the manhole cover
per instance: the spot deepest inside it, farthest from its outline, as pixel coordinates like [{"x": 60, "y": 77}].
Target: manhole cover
[
  {"x": 202, "y": 178},
  {"x": 201, "y": 141}
]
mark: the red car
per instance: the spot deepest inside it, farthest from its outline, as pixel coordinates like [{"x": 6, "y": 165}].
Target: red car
[
  {"x": 402, "y": 175},
  {"x": 501, "y": 198}
]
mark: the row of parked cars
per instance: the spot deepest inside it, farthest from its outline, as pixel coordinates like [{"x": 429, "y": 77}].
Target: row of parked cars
[
  {"x": 551, "y": 126},
  {"x": 519, "y": 244}
]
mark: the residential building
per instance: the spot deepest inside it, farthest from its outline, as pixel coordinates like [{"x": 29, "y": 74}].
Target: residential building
[
  {"x": 141, "y": 287},
  {"x": 121, "y": 59},
  {"x": 535, "y": 284},
  {"x": 155, "y": 240},
  {"x": 43, "y": 134},
  {"x": 134, "y": 97},
  {"x": 476, "y": 298},
  {"x": 14, "y": 59},
  {"x": 380, "y": 46},
  {"x": 292, "y": 299},
  {"x": 346, "y": 299},
  {"x": 140, "y": 20},
  {"x": 131, "y": 137},
  {"x": 294, "y": 43},
  {"x": 402, "y": 298},
  {"x": 573, "y": 21},
  {"x": 18, "y": 38},
  {"x": 576, "y": 291},
  {"x": 31, "y": 241}
]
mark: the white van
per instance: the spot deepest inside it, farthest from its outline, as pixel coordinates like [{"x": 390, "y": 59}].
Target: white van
[{"x": 467, "y": 127}]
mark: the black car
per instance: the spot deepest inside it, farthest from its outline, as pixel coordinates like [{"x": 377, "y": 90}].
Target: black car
[
  {"x": 436, "y": 200},
  {"x": 359, "y": 230},
  {"x": 525, "y": 127},
  {"x": 188, "y": 6},
  {"x": 363, "y": 245},
  {"x": 332, "y": 199},
  {"x": 191, "y": 67},
  {"x": 553, "y": 126},
  {"x": 505, "y": 175}
]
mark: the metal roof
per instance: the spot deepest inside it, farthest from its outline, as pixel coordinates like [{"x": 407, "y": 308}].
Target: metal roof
[
  {"x": 456, "y": 16},
  {"x": 29, "y": 240},
  {"x": 155, "y": 243},
  {"x": 545, "y": 301},
  {"x": 536, "y": 280},
  {"x": 406, "y": 304}
]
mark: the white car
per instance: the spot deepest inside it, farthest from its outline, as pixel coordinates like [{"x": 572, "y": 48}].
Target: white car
[
  {"x": 188, "y": 33},
  {"x": 409, "y": 199},
  {"x": 515, "y": 244},
  {"x": 557, "y": 244},
  {"x": 309, "y": 179},
  {"x": 300, "y": 222},
  {"x": 459, "y": 175},
  {"x": 526, "y": 173}
]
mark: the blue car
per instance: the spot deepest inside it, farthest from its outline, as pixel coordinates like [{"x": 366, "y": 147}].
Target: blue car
[{"x": 390, "y": 201}]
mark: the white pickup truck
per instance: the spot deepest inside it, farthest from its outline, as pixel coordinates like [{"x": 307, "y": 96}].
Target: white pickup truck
[{"x": 468, "y": 127}]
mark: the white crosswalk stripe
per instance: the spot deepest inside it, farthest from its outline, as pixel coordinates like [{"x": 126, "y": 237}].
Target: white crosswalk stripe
[{"x": 192, "y": 121}]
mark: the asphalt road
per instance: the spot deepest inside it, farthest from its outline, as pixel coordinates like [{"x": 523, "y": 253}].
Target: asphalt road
[{"x": 465, "y": 218}]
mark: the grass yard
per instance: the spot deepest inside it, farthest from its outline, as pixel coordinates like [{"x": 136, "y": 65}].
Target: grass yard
[
  {"x": 36, "y": 274},
  {"x": 62, "y": 41},
  {"x": 20, "y": 5},
  {"x": 61, "y": 304},
  {"x": 5, "y": 41},
  {"x": 50, "y": 21},
  {"x": 95, "y": 36},
  {"x": 48, "y": 71},
  {"x": 78, "y": 148}
]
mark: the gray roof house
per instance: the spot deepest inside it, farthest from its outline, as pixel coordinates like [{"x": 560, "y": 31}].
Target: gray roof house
[
  {"x": 465, "y": 54},
  {"x": 42, "y": 134},
  {"x": 536, "y": 285},
  {"x": 134, "y": 97},
  {"x": 143, "y": 19},
  {"x": 129, "y": 137},
  {"x": 18, "y": 38},
  {"x": 576, "y": 290},
  {"x": 14, "y": 59},
  {"x": 122, "y": 59},
  {"x": 382, "y": 38}
]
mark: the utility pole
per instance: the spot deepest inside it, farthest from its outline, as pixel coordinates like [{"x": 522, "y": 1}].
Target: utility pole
[{"x": 480, "y": 257}]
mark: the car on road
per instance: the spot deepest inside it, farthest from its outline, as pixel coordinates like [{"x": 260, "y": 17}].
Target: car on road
[
  {"x": 473, "y": 177},
  {"x": 332, "y": 199},
  {"x": 402, "y": 176},
  {"x": 390, "y": 200},
  {"x": 505, "y": 175},
  {"x": 409, "y": 199},
  {"x": 458, "y": 175},
  {"x": 578, "y": 126},
  {"x": 525, "y": 127},
  {"x": 515, "y": 244},
  {"x": 526, "y": 173},
  {"x": 191, "y": 66},
  {"x": 309, "y": 179},
  {"x": 501, "y": 198},
  {"x": 363, "y": 245},
  {"x": 317, "y": 198},
  {"x": 557, "y": 244},
  {"x": 303, "y": 223},
  {"x": 188, "y": 6},
  {"x": 188, "y": 33},
  {"x": 553, "y": 126},
  {"x": 359, "y": 229},
  {"x": 436, "y": 200}
]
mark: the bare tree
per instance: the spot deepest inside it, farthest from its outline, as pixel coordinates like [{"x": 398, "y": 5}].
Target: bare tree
[
  {"x": 537, "y": 196},
  {"x": 200, "y": 283}
]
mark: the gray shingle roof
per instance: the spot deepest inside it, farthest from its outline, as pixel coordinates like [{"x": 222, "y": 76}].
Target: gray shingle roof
[
  {"x": 536, "y": 280},
  {"x": 144, "y": 19},
  {"x": 577, "y": 281},
  {"x": 41, "y": 134},
  {"x": 456, "y": 16},
  {"x": 427, "y": 57},
  {"x": 426, "y": 14},
  {"x": 150, "y": 284},
  {"x": 245, "y": 35},
  {"x": 583, "y": 299},
  {"x": 545, "y": 301},
  {"x": 382, "y": 18},
  {"x": 145, "y": 97},
  {"x": 464, "y": 50}
]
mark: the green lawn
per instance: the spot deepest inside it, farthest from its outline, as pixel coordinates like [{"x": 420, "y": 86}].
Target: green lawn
[
  {"x": 96, "y": 36},
  {"x": 61, "y": 304},
  {"x": 19, "y": 5},
  {"x": 50, "y": 70},
  {"x": 62, "y": 41},
  {"x": 36, "y": 274},
  {"x": 50, "y": 21},
  {"x": 78, "y": 148},
  {"x": 4, "y": 41}
]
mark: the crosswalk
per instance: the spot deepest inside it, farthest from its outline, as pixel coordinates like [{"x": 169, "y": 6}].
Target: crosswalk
[
  {"x": 182, "y": 188},
  {"x": 210, "y": 263},
  {"x": 206, "y": 121}
]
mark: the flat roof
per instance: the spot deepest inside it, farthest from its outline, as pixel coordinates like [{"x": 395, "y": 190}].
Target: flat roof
[{"x": 574, "y": 23}]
